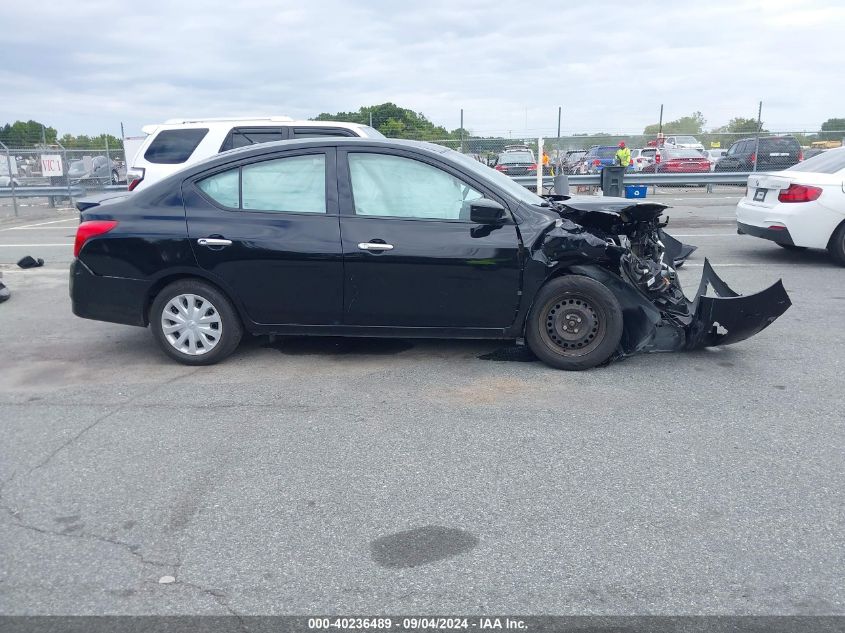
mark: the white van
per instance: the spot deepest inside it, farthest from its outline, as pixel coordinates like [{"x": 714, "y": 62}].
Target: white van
[{"x": 178, "y": 143}]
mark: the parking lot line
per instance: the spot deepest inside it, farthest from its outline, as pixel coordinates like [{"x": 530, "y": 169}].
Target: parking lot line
[
  {"x": 28, "y": 245},
  {"x": 28, "y": 226}
]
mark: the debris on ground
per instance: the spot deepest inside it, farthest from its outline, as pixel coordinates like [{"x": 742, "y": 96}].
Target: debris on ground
[{"x": 30, "y": 262}]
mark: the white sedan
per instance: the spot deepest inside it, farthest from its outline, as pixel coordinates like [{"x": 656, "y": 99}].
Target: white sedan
[{"x": 800, "y": 207}]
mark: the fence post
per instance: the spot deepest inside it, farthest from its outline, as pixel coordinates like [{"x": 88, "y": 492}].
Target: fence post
[
  {"x": 540, "y": 166},
  {"x": 11, "y": 177},
  {"x": 108, "y": 160},
  {"x": 757, "y": 137},
  {"x": 65, "y": 169}
]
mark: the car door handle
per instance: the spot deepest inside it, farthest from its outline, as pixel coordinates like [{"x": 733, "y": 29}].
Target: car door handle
[
  {"x": 375, "y": 246},
  {"x": 213, "y": 241}
]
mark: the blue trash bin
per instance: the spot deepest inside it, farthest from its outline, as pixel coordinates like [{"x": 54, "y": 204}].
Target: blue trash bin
[{"x": 635, "y": 191}]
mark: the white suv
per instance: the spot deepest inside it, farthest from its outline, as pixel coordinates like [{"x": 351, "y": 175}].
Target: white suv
[{"x": 178, "y": 143}]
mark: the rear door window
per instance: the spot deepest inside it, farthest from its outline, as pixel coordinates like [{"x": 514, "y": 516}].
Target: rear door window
[
  {"x": 172, "y": 147},
  {"x": 779, "y": 145},
  {"x": 246, "y": 136},
  {"x": 296, "y": 184}
]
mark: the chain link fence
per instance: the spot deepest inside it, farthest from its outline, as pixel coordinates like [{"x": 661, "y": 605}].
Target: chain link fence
[{"x": 38, "y": 175}]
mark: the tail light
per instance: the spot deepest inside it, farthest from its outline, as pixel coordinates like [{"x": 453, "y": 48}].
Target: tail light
[
  {"x": 657, "y": 158},
  {"x": 501, "y": 168},
  {"x": 596, "y": 162},
  {"x": 134, "y": 177},
  {"x": 90, "y": 229},
  {"x": 799, "y": 193},
  {"x": 753, "y": 158},
  {"x": 532, "y": 167},
  {"x": 800, "y": 155}
]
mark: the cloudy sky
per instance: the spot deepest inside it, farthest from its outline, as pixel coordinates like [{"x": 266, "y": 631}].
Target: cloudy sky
[{"x": 86, "y": 66}]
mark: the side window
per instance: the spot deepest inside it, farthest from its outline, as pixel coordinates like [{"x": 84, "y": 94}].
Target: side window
[
  {"x": 287, "y": 184},
  {"x": 172, "y": 147},
  {"x": 223, "y": 188},
  {"x": 295, "y": 184},
  {"x": 244, "y": 136},
  {"x": 390, "y": 186},
  {"x": 314, "y": 132}
]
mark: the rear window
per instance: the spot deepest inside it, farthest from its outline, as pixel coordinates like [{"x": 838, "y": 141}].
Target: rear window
[
  {"x": 245, "y": 136},
  {"x": 827, "y": 163},
  {"x": 784, "y": 144},
  {"x": 171, "y": 147},
  {"x": 685, "y": 139},
  {"x": 606, "y": 152},
  {"x": 516, "y": 157},
  {"x": 683, "y": 153}
]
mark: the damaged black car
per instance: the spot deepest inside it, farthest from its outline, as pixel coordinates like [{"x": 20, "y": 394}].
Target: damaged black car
[{"x": 362, "y": 237}]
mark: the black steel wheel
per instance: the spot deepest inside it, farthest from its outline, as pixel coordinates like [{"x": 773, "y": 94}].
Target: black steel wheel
[{"x": 576, "y": 323}]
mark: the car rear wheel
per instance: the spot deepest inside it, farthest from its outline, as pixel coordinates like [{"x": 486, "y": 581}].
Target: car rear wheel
[
  {"x": 115, "y": 178},
  {"x": 836, "y": 246},
  {"x": 194, "y": 323},
  {"x": 575, "y": 323}
]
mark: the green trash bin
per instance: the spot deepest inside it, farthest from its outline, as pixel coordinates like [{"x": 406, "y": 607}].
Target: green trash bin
[{"x": 612, "y": 181}]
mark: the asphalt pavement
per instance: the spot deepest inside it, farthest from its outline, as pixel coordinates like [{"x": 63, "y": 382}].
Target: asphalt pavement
[{"x": 307, "y": 476}]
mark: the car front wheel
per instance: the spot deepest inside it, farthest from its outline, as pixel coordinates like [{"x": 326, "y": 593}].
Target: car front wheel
[
  {"x": 194, "y": 323},
  {"x": 575, "y": 323}
]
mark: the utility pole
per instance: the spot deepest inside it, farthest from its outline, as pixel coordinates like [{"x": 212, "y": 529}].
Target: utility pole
[
  {"x": 660, "y": 124},
  {"x": 371, "y": 118},
  {"x": 559, "y": 109},
  {"x": 462, "y": 130},
  {"x": 757, "y": 135}
]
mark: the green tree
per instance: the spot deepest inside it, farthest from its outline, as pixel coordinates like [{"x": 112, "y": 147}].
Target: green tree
[
  {"x": 692, "y": 124},
  {"x": 394, "y": 122},
  {"x": 26, "y": 134},
  {"x": 832, "y": 130}
]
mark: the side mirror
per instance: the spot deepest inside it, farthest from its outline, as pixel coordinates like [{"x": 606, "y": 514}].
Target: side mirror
[{"x": 486, "y": 211}]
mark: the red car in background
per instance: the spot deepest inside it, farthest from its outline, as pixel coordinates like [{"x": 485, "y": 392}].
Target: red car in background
[{"x": 679, "y": 161}]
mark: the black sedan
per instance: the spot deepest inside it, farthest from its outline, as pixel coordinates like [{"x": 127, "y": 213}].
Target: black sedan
[{"x": 361, "y": 237}]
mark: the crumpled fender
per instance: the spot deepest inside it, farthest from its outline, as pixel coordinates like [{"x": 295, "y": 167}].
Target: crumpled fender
[
  {"x": 729, "y": 317},
  {"x": 676, "y": 251}
]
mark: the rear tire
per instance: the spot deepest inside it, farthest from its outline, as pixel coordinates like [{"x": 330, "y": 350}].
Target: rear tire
[
  {"x": 195, "y": 323},
  {"x": 575, "y": 323},
  {"x": 836, "y": 246}
]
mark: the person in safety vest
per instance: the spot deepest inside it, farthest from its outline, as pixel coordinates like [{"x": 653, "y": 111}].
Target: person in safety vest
[
  {"x": 623, "y": 155},
  {"x": 547, "y": 164}
]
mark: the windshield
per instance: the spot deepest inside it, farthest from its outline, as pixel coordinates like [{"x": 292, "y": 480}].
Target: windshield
[
  {"x": 497, "y": 178},
  {"x": 830, "y": 162},
  {"x": 685, "y": 139}
]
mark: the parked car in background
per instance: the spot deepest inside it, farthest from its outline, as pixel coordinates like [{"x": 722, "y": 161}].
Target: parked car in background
[
  {"x": 773, "y": 153},
  {"x": 96, "y": 169},
  {"x": 516, "y": 162},
  {"x": 714, "y": 155},
  {"x": 642, "y": 158},
  {"x": 682, "y": 142},
  {"x": 178, "y": 143},
  {"x": 800, "y": 207},
  {"x": 679, "y": 161},
  {"x": 597, "y": 158},
  {"x": 569, "y": 161}
]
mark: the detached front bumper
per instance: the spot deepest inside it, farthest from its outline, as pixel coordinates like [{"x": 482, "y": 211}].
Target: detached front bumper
[{"x": 729, "y": 317}]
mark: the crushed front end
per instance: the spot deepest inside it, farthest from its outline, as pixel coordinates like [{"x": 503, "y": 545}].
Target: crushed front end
[{"x": 627, "y": 250}]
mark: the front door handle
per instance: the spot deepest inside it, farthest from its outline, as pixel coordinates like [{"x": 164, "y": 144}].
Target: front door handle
[
  {"x": 213, "y": 241},
  {"x": 375, "y": 246}
]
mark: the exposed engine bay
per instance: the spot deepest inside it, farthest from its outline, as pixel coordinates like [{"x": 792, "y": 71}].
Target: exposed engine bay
[{"x": 625, "y": 247}]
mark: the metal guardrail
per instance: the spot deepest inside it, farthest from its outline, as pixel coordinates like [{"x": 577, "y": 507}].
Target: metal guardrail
[
  {"x": 639, "y": 178},
  {"x": 74, "y": 191}
]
